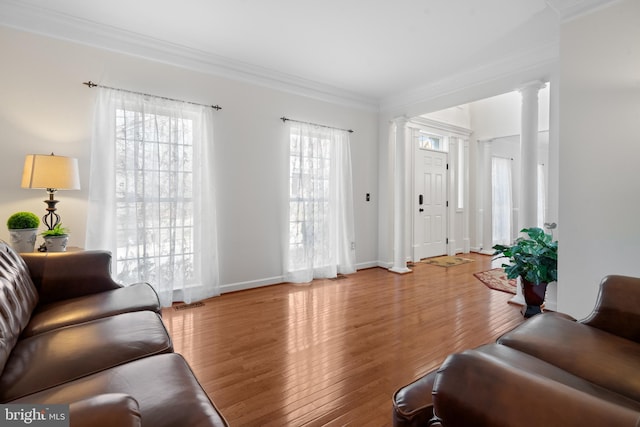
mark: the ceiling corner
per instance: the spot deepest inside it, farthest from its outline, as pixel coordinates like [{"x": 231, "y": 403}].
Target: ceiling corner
[{"x": 570, "y": 9}]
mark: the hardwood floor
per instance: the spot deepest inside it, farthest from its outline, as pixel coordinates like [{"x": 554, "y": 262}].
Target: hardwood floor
[{"x": 334, "y": 351}]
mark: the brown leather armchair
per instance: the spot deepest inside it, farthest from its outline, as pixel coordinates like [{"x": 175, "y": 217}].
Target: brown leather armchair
[{"x": 550, "y": 370}]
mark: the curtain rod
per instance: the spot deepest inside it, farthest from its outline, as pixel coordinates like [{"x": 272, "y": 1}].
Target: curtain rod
[
  {"x": 285, "y": 119},
  {"x": 91, "y": 84}
]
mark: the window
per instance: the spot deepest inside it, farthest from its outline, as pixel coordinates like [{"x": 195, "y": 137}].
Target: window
[
  {"x": 152, "y": 194},
  {"x": 309, "y": 168},
  {"x": 320, "y": 239},
  {"x": 501, "y": 200}
]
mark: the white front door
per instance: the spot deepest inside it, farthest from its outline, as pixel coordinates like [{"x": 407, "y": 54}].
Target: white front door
[{"x": 430, "y": 204}]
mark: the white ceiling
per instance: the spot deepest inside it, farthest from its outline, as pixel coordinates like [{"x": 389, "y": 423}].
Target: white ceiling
[{"x": 370, "y": 49}]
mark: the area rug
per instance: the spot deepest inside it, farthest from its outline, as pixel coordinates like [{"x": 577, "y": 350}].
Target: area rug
[
  {"x": 497, "y": 279},
  {"x": 447, "y": 261}
]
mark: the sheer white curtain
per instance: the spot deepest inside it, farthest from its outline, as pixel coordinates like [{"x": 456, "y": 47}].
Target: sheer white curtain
[
  {"x": 501, "y": 201},
  {"x": 321, "y": 240},
  {"x": 151, "y": 195}
]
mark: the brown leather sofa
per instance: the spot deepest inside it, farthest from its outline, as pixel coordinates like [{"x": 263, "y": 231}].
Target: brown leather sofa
[
  {"x": 71, "y": 335},
  {"x": 551, "y": 370}
]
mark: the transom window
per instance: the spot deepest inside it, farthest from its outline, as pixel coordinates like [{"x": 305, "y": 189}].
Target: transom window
[{"x": 430, "y": 142}]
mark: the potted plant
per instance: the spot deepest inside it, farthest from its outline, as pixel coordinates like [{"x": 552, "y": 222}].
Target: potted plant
[
  {"x": 23, "y": 231},
  {"x": 533, "y": 258},
  {"x": 55, "y": 240}
]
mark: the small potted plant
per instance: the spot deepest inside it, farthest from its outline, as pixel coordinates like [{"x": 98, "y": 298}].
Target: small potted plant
[
  {"x": 535, "y": 260},
  {"x": 23, "y": 231},
  {"x": 55, "y": 240}
]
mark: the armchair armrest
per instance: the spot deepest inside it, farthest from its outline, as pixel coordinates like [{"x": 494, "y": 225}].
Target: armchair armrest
[
  {"x": 412, "y": 404},
  {"x": 617, "y": 309},
  {"x": 64, "y": 275},
  {"x": 105, "y": 410}
]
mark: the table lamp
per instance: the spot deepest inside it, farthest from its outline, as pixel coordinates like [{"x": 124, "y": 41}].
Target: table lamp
[{"x": 52, "y": 173}]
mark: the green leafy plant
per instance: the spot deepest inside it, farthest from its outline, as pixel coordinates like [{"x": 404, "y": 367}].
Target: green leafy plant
[
  {"x": 57, "y": 230},
  {"x": 535, "y": 258},
  {"x": 22, "y": 220}
]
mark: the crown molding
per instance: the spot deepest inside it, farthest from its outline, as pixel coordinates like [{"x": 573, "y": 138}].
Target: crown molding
[
  {"x": 26, "y": 17},
  {"x": 571, "y": 9},
  {"x": 534, "y": 63}
]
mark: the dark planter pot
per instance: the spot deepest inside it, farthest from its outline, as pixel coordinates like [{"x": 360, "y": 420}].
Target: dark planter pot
[{"x": 533, "y": 296}]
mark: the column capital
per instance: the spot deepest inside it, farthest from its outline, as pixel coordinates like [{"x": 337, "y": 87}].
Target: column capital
[
  {"x": 400, "y": 120},
  {"x": 535, "y": 85}
]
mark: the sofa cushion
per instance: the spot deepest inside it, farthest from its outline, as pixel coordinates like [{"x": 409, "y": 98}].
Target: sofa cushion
[
  {"x": 166, "y": 390},
  {"x": 498, "y": 386},
  {"x": 18, "y": 298},
  {"x": 60, "y": 355},
  {"x": 138, "y": 297},
  {"x": 590, "y": 353}
]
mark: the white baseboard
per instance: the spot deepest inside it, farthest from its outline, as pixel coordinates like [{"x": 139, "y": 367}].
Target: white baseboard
[
  {"x": 365, "y": 265},
  {"x": 242, "y": 286},
  {"x": 251, "y": 284},
  {"x": 384, "y": 264}
]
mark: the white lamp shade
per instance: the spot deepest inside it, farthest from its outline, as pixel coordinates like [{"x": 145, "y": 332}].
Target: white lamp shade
[{"x": 49, "y": 171}]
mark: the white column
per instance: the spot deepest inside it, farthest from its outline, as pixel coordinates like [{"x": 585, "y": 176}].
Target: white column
[
  {"x": 466, "y": 238},
  {"x": 452, "y": 178},
  {"x": 487, "y": 209},
  {"x": 529, "y": 154},
  {"x": 528, "y": 212},
  {"x": 399, "y": 202},
  {"x": 551, "y": 215}
]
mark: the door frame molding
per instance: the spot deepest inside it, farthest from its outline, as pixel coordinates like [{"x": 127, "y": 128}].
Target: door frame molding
[{"x": 448, "y": 131}]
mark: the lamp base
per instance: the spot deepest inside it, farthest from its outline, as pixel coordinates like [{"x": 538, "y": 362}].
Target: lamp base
[{"x": 51, "y": 219}]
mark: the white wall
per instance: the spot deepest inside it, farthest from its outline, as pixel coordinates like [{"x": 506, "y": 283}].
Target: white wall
[
  {"x": 459, "y": 115},
  {"x": 599, "y": 152},
  {"x": 44, "y": 107}
]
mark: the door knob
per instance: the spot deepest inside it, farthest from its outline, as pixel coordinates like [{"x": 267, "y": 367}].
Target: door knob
[{"x": 420, "y": 210}]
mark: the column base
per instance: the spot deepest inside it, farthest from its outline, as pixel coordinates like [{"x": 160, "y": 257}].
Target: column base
[{"x": 400, "y": 270}]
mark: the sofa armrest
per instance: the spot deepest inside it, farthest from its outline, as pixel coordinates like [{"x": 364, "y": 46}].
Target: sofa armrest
[
  {"x": 105, "y": 410},
  {"x": 617, "y": 309},
  {"x": 64, "y": 275},
  {"x": 476, "y": 389}
]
